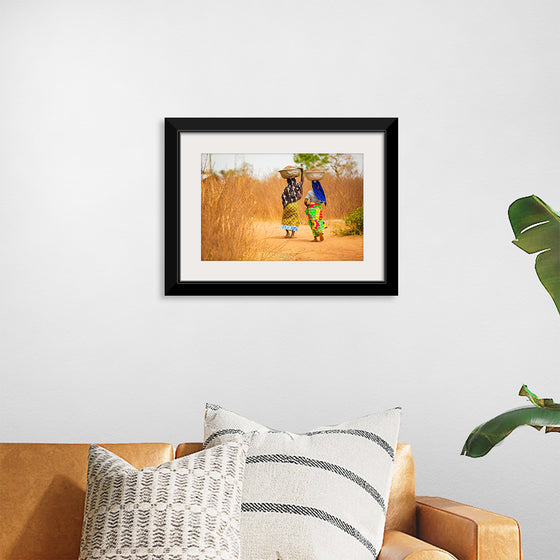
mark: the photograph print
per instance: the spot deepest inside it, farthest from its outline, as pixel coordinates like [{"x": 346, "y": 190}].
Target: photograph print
[{"x": 281, "y": 206}]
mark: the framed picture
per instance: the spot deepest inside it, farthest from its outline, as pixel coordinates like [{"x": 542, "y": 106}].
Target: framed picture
[{"x": 281, "y": 206}]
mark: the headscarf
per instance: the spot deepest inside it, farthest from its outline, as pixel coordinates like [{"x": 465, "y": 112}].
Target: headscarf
[
  {"x": 319, "y": 192},
  {"x": 292, "y": 193}
]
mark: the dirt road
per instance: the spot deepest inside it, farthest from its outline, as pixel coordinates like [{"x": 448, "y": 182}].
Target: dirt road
[{"x": 303, "y": 248}]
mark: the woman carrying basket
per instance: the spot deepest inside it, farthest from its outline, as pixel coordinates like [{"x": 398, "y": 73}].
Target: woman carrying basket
[
  {"x": 291, "y": 194},
  {"x": 314, "y": 201}
]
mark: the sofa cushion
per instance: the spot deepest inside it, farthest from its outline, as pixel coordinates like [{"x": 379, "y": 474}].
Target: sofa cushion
[
  {"x": 186, "y": 509},
  {"x": 322, "y": 494},
  {"x": 42, "y": 492}
]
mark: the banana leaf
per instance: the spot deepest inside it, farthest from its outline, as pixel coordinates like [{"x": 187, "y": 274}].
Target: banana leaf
[
  {"x": 537, "y": 401},
  {"x": 536, "y": 227},
  {"x": 487, "y": 435},
  {"x": 544, "y": 413}
]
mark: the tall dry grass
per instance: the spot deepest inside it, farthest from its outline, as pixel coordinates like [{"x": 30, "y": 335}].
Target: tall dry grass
[
  {"x": 344, "y": 194},
  {"x": 227, "y": 234},
  {"x": 231, "y": 206}
]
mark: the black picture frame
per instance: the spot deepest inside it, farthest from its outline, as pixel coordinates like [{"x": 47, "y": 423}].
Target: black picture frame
[{"x": 173, "y": 284}]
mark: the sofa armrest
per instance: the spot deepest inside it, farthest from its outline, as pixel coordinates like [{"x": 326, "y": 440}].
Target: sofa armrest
[
  {"x": 401, "y": 546},
  {"x": 467, "y": 532}
]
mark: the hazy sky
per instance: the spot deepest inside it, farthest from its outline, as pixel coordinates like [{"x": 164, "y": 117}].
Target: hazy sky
[{"x": 263, "y": 164}]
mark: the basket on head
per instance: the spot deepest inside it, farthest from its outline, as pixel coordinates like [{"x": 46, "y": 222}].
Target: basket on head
[
  {"x": 315, "y": 174},
  {"x": 290, "y": 172}
]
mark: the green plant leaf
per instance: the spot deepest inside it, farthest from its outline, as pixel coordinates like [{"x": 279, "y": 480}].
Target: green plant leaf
[
  {"x": 536, "y": 227},
  {"x": 537, "y": 401},
  {"x": 483, "y": 438}
]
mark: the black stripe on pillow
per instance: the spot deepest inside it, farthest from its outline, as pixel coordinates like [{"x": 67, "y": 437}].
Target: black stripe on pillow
[
  {"x": 221, "y": 433},
  {"x": 360, "y": 433},
  {"x": 312, "y": 512},
  {"x": 315, "y": 463}
]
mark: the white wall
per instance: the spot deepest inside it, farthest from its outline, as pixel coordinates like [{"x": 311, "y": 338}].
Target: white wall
[{"x": 92, "y": 351}]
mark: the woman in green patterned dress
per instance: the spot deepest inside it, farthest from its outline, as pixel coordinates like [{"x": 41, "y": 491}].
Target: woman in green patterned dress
[{"x": 314, "y": 200}]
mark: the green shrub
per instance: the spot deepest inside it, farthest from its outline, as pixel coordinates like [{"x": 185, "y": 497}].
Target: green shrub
[{"x": 354, "y": 222}]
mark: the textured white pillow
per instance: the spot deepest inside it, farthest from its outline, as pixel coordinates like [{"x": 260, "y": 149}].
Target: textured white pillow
[
  {"x": 321, "y": 495},
  {"x": 187, "y": 509}
]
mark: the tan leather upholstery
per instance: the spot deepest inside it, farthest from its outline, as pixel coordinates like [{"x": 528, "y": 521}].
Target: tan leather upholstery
[
  {"x": 42, "y": 492},
  {"x": 467, "y": 532},
  {"x": 400, "y": 546},
  {"x": 187, "y": 448},
  {"x": 401, "y": 510}
]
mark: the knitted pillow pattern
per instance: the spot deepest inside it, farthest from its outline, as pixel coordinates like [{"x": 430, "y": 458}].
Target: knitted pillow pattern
[{"x": 185, "y": 509}]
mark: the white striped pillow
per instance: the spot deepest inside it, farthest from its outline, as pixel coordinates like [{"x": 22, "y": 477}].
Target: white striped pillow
[{"x": 312, "y": 496}]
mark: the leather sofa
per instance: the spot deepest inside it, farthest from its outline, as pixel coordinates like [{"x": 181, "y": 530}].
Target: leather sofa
[{"x": 42, "y": 492}]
